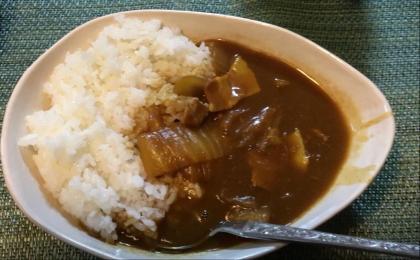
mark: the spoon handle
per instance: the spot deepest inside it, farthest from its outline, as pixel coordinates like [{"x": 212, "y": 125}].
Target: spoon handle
[{"x": 251, "y": 229}]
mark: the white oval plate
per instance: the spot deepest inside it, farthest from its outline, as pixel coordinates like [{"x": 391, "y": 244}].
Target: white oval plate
[{"x": 362, "y": 103}]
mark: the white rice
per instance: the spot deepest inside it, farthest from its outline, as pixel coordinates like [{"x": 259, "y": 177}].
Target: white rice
[{"x": 84, "y": 144}]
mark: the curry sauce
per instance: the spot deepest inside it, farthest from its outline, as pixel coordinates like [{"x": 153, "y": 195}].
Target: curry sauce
[{"x": 257, "y": 178}]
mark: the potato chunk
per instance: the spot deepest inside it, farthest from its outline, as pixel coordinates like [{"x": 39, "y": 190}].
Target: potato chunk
[
  {"x": 299, "y": 158},
  {"x": 225, "y": 91}
]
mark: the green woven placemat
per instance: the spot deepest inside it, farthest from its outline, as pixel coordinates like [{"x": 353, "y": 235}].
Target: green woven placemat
[{"x": 380, "y": 38}]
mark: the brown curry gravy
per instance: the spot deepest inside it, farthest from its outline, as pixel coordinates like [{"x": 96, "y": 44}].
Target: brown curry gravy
[{"x": 303, "y": 105}]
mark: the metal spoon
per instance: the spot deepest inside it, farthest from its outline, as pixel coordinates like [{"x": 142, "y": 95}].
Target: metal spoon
[{"x": 265, "y": 231}]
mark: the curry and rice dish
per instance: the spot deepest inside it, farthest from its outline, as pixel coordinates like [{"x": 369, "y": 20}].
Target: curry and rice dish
[{"x": 153, "y": 140}]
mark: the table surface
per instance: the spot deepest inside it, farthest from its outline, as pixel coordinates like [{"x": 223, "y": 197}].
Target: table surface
[{"x": 380, "y": 38}]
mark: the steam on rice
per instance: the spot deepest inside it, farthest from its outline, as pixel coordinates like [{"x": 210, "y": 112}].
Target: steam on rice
[{"x": 84, "y": 144}]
